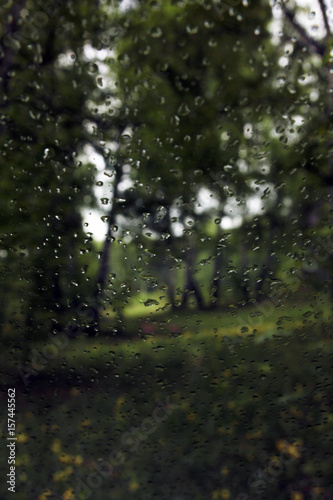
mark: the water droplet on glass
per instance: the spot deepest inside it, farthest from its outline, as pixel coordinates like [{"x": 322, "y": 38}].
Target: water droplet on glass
[{"x": 192, "y": 30}]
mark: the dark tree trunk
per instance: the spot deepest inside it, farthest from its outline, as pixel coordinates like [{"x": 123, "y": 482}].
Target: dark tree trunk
[
  {"x": 104, "y": 267},
  {"x": 330, "y": 149},
  {"x": 191, "y": 285},
  {"x": 169, "y": 281},
  {"x": 215, "y": 287},
  {"x": 269, "y": 263},
  {"x": 243, "y": 283},
  {"x": 171, "y": 288}
]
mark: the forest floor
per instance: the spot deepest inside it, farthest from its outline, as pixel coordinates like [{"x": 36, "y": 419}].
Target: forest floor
[{"x": 197, "y": 405}]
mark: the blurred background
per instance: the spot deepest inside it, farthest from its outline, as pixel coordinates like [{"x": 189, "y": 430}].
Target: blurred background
[{"x": 166, "y": 214}]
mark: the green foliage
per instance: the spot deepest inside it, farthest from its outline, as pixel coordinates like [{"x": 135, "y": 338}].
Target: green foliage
[
  {"x": 46, "y": 89},
  {"x": 201, "y": 112}
]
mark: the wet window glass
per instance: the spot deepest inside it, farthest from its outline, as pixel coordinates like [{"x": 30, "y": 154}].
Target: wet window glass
[{"x": 166, "y": 249}]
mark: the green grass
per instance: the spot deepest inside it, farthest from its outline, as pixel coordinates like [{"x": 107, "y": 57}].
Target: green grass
[
  {"x": 245, "y": 404},
  {"x": 267, "y": 317}
]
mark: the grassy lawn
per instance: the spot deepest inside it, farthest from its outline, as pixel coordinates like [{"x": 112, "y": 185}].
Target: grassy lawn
[{"x": 207, "y": 410}]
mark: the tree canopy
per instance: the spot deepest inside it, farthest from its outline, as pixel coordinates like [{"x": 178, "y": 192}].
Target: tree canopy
[{"x": 215, "y": 133}]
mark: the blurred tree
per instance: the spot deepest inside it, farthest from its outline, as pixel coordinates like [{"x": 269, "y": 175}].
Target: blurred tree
[
  {"x": 199, "y": 113},
  {"x": 241, "y": 122},
  {"x": 310, "y": 59},
  {"x": 193, "y": 84},
  {"x": 47, "y": 86}
]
